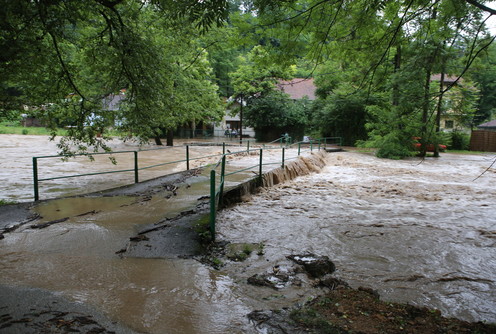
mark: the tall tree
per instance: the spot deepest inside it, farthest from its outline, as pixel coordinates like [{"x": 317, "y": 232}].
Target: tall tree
[
  {"x": 256, "y": 78},
  {"x": 66, "y": 55},
  {"x": 387, "y": 42},
  {"x": 484, "y": 74}
]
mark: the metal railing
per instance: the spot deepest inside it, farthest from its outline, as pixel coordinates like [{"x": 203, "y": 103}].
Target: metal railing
[
  {"x": 217, "y": 192},
  {"x": 188, "y": 159}
]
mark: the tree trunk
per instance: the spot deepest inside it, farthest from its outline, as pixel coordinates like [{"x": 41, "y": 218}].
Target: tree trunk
[
  {"x": 397, "y": 66},
  {"x": 425, "y": 112},
  {"x": 158, "y": 141},
  {"x": 439, "y": 110},
  {"x": 170, "y": 137},
  {"x": 430, "y": 60}
]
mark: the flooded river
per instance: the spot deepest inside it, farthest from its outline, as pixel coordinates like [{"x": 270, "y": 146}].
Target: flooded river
[
  {"x": 418, "y": 232},
  {"x": 78, "y": 258},
  {"x": 16, "y": 166},
  {"x": 422, "y": 232}
]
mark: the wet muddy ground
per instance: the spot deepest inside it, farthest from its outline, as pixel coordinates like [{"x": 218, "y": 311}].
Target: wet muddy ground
[{"x": 86, "y": 251}]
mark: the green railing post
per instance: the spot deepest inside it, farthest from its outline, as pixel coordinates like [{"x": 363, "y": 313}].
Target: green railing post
[
  {"x": 248, "y": 146},
  {"x": 311, "y": 146},
  {"x": 320, "y": 140},
  {"x": 222, "y": 178},
  {"x": 299, "y": 147},
  {"x": 35, "y": 179},
  {"x": 223, "y": 147},
  {"x": 260, "y": 168},
  {"x": 283, "y": 149},
  {"x": 212, "y": 204},
  {"x": 136, "y": 177},
  {"x": 187, "y": 157}
]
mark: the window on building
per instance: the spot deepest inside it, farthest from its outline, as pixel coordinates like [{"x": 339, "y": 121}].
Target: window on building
[{"x": 449, "y": 124}]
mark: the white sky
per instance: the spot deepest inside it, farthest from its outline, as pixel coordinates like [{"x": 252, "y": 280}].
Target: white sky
[{"x": 491, "y": 23}]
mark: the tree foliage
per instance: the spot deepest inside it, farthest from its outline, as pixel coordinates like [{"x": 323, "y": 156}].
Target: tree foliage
[
  {"x": 268, "y": 110},
  {"x": 64, "y": 57},
  {"x": 484, "y": 74},
  {"x": 275, "y": 114},
  {"x": 385, "y": 48},
  {"x": 372, "y": 61}
]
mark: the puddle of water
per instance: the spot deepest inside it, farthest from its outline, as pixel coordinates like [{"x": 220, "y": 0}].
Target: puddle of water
[
  {"x": 147, "y": 295},
  {"x": 77, "y": 259},
  {"x": 80, "y": 206}
]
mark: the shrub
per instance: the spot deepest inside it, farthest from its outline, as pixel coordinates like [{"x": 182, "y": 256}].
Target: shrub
[
  {"x": 459, "y": 141},
  {"x": 391, "y": 146}
]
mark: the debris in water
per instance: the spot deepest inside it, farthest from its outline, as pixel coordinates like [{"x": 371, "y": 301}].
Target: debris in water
[
  {"x": 279, "y": 278},
  {"x": 139, "y": 238},
  {"x": 92, "y": 212},
  {"x": 43, "y": 225},
  {"x": 332, "y": 283}
]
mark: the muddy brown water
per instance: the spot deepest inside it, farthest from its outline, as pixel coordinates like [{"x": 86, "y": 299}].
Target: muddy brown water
[
  {"x": 16, "y": 165},
  {"x": 418, "y": 232},
  {"x": 77, "y": 258},
  {"x": 422, "y": 233}
]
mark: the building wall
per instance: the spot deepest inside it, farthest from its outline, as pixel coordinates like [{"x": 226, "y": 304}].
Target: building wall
[
  {"x": 450, "y": 123},
  {"x": 231, "y": 122}
]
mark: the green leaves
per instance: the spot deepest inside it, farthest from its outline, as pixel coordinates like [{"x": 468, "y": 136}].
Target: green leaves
[
  {"x": 257, "y": 75},
  {"x": 204, "y": 14},
  {"x": 275, "y": 113},
  {"x": 64, "y": 57}
]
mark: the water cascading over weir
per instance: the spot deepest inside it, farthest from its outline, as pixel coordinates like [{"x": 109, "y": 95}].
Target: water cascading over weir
[
  {"x": 303, "y": 165},
  {"x": 178, "y": 237}
]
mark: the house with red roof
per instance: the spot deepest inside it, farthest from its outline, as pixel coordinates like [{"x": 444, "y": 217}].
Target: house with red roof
[{"x": 297, "y": 89}]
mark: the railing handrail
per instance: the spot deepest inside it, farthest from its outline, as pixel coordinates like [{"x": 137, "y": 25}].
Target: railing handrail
[
  {"x": 216, "y": 193},
  {"x": 277, "y": 140}
]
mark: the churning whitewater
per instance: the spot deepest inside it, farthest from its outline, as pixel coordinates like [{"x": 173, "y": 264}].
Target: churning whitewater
[{"x": 418, "y": 231}]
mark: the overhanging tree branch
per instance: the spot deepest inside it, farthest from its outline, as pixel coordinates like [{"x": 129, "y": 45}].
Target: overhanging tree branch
[{"x": 481, "y": 6}]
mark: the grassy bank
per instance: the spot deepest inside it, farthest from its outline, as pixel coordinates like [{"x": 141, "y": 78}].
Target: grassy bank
[{"x": 16, "y": 128}]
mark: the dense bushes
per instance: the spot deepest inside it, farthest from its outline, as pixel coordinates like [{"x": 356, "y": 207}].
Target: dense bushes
[{"x": 459, "y": 141}]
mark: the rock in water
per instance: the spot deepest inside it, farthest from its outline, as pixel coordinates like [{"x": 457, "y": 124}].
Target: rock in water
[{"x": 315, "y": 266}]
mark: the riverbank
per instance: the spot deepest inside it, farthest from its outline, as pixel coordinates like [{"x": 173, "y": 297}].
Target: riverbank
[{"x": 346, "y": 311}]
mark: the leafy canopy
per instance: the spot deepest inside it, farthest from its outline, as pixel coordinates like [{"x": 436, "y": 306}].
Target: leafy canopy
[{"x": 64, "y": 56}]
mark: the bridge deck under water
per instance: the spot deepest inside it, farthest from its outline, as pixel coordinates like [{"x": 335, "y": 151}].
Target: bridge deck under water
[{"x": 132, "y": 254}]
